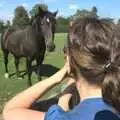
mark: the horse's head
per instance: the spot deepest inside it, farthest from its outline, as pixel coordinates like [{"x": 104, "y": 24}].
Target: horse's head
[{"x": 45, "y": 23}]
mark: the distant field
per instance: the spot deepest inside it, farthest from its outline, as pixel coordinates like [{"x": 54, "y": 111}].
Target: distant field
[{"x": 9, "y": 87}]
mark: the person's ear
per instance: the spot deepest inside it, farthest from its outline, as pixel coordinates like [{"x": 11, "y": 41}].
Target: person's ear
[{"x": 40, "y": 10}]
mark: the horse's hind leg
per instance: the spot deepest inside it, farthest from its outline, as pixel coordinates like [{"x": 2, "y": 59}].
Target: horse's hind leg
[
  {"x": 29, "y": 70},
  {"x": 5, "y": 53}
]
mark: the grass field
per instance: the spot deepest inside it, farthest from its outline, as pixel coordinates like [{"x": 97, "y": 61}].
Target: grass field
[{"x": 9, "y": 87}]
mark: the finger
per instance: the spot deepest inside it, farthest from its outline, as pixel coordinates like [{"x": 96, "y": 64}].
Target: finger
[
  {"x": 70, "y": 81},
  {"x": 68, "y": 64}
]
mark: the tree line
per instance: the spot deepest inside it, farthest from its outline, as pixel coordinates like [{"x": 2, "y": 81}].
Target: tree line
[{"x": 22, "y": 18}]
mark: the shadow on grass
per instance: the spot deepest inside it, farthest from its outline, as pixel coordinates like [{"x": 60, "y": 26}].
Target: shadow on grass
[
  {"x": 22, "y": 73},
  {"x": 46, "y": 71}
]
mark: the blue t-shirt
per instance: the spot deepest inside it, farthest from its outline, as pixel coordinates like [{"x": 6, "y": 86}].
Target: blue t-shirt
[{"x": 89, "y": 109}]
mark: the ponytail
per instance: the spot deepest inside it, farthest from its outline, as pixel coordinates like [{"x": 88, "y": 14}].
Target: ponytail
[{"x": 111, "y": 89}]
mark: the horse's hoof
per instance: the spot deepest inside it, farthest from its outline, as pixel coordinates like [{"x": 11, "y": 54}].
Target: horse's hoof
[{"x": 6, "y": 75}]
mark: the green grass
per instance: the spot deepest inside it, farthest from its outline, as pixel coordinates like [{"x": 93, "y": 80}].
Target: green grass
[{"x": 9, "y": 87}]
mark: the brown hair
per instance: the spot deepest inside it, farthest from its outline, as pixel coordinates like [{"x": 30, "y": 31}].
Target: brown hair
[{"x": 94, "y": 53}]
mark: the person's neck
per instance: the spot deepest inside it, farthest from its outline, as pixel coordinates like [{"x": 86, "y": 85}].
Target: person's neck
[{"x": 88, "y": 91}]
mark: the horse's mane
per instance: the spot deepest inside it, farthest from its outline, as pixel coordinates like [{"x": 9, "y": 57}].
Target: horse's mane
[
  {"x": 77, "y": 22},
  {"x": 40, "y": 14}
]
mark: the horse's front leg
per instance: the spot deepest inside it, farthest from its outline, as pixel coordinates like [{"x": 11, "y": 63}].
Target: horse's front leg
[
  {"x": 5, "y": 53},
  {"x": 38, "y": 68},
  {"x": 17, "y": 61},
  {"x": 29, "y": 70}
]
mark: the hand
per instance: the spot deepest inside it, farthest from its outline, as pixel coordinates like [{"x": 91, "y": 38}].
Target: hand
[
  {"x": 70, "y": 80},
  {"x": 67, "y": 64},
  {"x": 69, "y": 90},
  {"x": 70, "y": 87}
]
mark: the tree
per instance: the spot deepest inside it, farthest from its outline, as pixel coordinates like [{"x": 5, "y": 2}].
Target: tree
[
  {"x": 62, "y": 24},
  {"x": 21, "y": 17},
  {"x": 1, "y": 26},
  {"x": 118, "y": 22},
  {"x": 35, "y": 9},
  {"x": 8, "y": 24}
]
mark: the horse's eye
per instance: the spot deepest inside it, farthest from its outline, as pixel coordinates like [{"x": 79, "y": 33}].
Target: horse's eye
[{"x": 48, "y": 20}]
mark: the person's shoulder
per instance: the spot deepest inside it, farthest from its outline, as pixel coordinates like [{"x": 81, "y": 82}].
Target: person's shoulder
[{"x": 106, "y": 115}]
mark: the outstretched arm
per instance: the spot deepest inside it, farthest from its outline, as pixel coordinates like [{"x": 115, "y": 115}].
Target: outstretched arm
[{"x": 18, "y": 107}]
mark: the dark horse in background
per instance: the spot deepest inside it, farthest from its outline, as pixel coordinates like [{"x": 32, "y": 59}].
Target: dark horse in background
[{"x": 30, "y": 42}]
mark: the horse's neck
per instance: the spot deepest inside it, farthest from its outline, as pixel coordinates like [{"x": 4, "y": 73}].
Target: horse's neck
[
  {"x": 39, "y": 37},
  {"x": 36, "y": 30}
]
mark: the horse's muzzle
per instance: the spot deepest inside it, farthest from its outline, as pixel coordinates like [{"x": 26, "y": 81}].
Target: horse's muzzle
[{"x": 51, "y": 48}]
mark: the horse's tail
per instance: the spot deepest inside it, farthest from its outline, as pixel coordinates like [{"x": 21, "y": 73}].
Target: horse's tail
[{"x": 1, "y": 37}]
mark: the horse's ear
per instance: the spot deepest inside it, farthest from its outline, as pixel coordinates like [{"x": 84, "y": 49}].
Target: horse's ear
[
  {"x": 55, "y": 13},
  {"x": 41, "y": 11}
]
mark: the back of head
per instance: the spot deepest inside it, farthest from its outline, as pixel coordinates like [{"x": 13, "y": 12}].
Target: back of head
[{"x": 93, "y": 47}]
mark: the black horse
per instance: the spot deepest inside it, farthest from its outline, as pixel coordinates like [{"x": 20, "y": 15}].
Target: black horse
[{"x": 30, "y": 42}]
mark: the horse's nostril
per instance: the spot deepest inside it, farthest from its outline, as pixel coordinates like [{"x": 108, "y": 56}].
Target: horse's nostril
[
  {"x": 53, "y": 47},
  {"x": 50, "y": 48}
]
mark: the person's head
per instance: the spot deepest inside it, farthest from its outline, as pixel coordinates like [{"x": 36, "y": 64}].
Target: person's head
[{"x": 93, "y": 50}]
